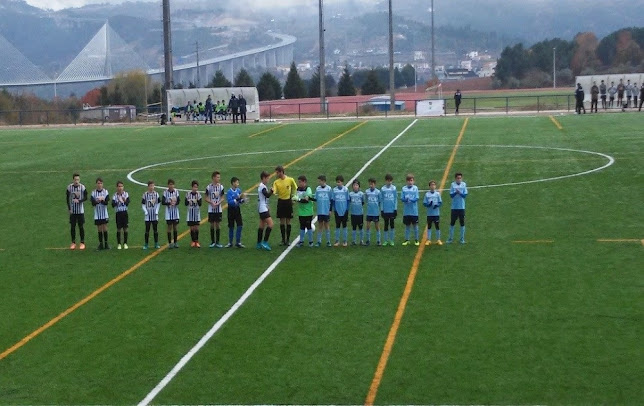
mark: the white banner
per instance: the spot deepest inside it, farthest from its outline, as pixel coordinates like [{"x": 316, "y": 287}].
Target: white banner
[{"x": 430, "y": 108}]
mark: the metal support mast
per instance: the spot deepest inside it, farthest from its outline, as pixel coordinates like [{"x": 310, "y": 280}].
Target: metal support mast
[
  {"x": 392, "y": 87},
  {"x": 167, "y": 52},
  {"x": 322, "y": 61}
]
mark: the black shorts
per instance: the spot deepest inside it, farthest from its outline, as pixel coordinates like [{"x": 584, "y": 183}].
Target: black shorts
[
  {"x": 324, "y": 218},
  {"x": 305, "y": 222},
  {"x": 341, "y": 221},
  {"x": 234, "y": 217},
  {"x": 392, "y": 215},
  {"x": 458, "y": 214},
  {"x": 170, "y": 222},
  {"x": 76, "y": 219},
  {"x": 265, "y": 215},
  {"x": 122, "y": 219},
  {"x": 357, "y": 220},
  {"x": 433, "y": 219},
  {"x": 101, "y": 222},
  {"x": 284, "y": 209},
  {"x": 214, "y": 217},
  {"x": 191, "y": 223},
  {"x": 409, "y": 220},
  {"x": 612, "y": 98},
  {"x": 153, "y": 222},
  {"x": 603, "y": 97},
  {"x": 375, "y": 219}
]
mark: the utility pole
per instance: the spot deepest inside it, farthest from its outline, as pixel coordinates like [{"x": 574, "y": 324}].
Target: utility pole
[
  {"x": 433, "y": 49},
  {"x": 322, "y": 61},
  {"x": 198, "y": 75},
  {"x": 554, "y": 67},
  {"x": 167, "y": 53},
  {"x": 392, "y": 87}
]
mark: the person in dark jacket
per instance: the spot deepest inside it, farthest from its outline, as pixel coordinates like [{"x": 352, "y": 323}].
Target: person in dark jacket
[
  {"x": 579, "y": 98},
  {"x": 641, "y": 96},
  {"x": 594, "y": 97},
  {"x": 457, "y": 99},
  {"x": 233, "y": 105},
  {"x": 242, "y": 108},
  {"x": 209, "y": 109}
]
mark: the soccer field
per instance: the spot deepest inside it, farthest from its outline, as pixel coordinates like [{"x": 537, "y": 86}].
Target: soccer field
[{"x": 542, "y": 305}]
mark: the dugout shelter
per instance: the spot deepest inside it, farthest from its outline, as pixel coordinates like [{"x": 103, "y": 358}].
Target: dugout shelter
[{"x": 179, "y": 98}]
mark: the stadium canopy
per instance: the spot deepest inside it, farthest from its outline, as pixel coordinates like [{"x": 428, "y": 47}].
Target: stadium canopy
[
  {"x": 104, "y": 56},
  {"x": 16, "y": 68}
]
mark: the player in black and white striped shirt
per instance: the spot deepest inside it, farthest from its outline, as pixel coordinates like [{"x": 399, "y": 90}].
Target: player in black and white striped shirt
[
  {"x": 193, "y": 201},
  {"x": 265, "y": 220},
  {"x": 150, "y": 204},
  {"x": 171, "y": 201},
  {"x": 76, "y": 195},
  {"x": 120, "y": 201},
  {"x": 100, "y": 198},
  {"x": 213, "y": 196}
]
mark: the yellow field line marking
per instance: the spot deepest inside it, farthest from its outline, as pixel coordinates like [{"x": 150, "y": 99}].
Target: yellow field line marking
[
  {"x": 533, "y": 241},
  {"x": 266, "y": 131},
  {"x": 620, "y": 240},
  {"x": 142, "y": 262},
  {"x": 391, "y": 337},
  {"x": 554, "y": 120}
]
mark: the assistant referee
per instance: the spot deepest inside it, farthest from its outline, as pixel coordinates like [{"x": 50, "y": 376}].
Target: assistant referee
[{"x": 285, "y": 188}]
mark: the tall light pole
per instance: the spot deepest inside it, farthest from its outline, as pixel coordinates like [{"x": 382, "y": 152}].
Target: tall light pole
[
  {"x": 167, "y": 52},
  {"x": 198, "y": 75},
  {"x": 322, "y": 61},
  {"x": 392, "y": 87},
  {"x": 554, "y": 69},
  {"x": 433, "y": 60}
]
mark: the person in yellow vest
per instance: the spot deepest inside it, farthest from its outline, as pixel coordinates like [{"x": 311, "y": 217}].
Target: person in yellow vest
[{"x": 285, "y": 188}]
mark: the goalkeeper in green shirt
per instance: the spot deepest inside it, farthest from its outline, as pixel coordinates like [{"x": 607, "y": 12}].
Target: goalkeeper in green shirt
[{"x": 304, "y": 198}]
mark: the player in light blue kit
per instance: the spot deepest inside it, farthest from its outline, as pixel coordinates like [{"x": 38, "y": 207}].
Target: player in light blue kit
[
  {"x": 374, "y": 205},
  {"x": 357, "y": 200},
  {"x": 324, "y": 198},
  {"x": 341, "y": 206},
  {"x": 433, "y": 203},
  {"x": 409, "y": 196},
  {"x": 389, "y": 209},
  {"x": 458, "y": 193}
]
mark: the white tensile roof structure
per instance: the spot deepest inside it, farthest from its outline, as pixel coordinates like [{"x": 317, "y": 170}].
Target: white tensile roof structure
[{"x": 16, "y": 68}]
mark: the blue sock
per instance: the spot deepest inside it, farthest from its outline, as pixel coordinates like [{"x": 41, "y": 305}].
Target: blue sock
[
  {"x": 328, "y": 235},
  {"x": 353, "y": 235},
  {"x": 302, "y": 236},
  {"x": 319, "y": 237},
  {"x": 310, "y": 233},
  {"x": 239, "y": 232},
  {"x": 368, "y": 235},
  {"x": 438, "y": 234},
  {"x": 392, "y": 234},
  {"x": 346, "y": 234},
  {"x": 386, "y": 232},
  {"x": 378, "y": 235},
  {"x": 429, "y": 233},
  {"x": 416, "y": 231},
  {"x": 361, "y": 235},
  {"x": 451, "y": 232},
  {"x": 407, "y": 232},
  {"x": 231, "y": 232},
  {"x": 462, "y": 233},
  {"x": 337, "y": 234}
]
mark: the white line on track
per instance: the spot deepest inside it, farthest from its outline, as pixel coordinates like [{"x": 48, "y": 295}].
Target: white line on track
[{"x": 186, "y": 358}]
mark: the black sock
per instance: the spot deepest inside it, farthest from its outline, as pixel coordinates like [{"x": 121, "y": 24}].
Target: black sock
[
  {"x": 217, "y": 232},
  {"x": 100, "y": 238},
  {"x": 156, "y": 237},
  {"x": 124, "y": 237},
  {"x": 174, "y": 234},
  {"x": 169, "y": 238},
  {"x": 212, "y": 235},
  {"x": 197, "y": 235},
  {"x": 147, "y": 238},
  {"x": 260, "y": 234},
  {"x": 283, "y": 231},
  {"x": 288, "y": 232},
  {"x": 73, "y": 233},
  {"x": 192, "y": 235},
  {"x": 118, "y": 237},
  {"x": 105, "y": 238},
  {"x": 81, "y": 231},
  {"x": 267, "y": 233}
]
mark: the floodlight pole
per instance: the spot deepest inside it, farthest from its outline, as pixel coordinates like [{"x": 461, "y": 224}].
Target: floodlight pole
[
  {"x": 322, "y": 69},
  {"x": 167, "y": 52},
  {"x": 392, "y": 87},
  {"x": 433, "y": 49},
  {"x": 198, "y": 75},
  {"x": 554, "y": 69}
]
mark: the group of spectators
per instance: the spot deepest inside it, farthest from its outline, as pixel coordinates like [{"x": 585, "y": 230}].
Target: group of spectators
[
  {"x": 626, "y": 93},
  {"x": 210, "y": 111}
]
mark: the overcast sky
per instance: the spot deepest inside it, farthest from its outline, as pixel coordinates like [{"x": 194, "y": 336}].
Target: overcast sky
[{"x": 60, "y": 4}]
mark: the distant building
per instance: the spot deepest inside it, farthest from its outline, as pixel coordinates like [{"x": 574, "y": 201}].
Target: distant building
[
  {"x": 459, "y": 73},
  {"x": 487, "y": 69},
  {"x": 466, "y": 64}
]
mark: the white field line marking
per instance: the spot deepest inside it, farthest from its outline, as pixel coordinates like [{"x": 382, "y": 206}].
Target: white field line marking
[
  {"x": 186, "y": 358},
  {"x": 610, "y": 162}
]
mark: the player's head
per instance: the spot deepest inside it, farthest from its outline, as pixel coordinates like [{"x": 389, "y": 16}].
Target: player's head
[
  {"x": 264, "y": 176},
  {"x": 372, "y": 182},
  {"x": 339, "y": 180},
  {"x": 195, "y": 185},
  {"x": 322, "y": 180},
  {"x": 458, "y": 177},
  {"x": 216, "y": 177},
  {"x": 99, "y": 183},
  {"x": 234, "y": 182},
  {"x": 76, "y": 179},
  {"x": 602, "y": 81},
  {"x": 432, "y": 185},
  {"x": 410, "y": 179},
  {"x": 594, "y": 82},
  {"x": 355, "y": 185},
  {"x": 389, "y": 179},
  {"x": 301, "y": 181},
  {"x": 119, "y": 186},
  {"x": 279, "y": 171},
  {"x": 150, "y": 185},
  {"x": 171, "y": 184},
  {"x": 612, "y": 83},
  {"x": 579, "y": 85}
]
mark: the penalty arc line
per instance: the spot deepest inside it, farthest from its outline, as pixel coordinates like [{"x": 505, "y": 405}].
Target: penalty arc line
[
  {"x": 206, "y": 337},
  {"x": 400, "y": 311},
  {"x": 142, "y": 262},
  {"x": 556, "y": 122}
]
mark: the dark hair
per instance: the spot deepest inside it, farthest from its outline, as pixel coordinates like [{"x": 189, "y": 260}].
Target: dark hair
[
  {"x": 302, "y": 178},
  {"x": 458, "y": 174},
  {"x": 150, "y": 182},
  {"x": 194, "y": 183},
  {"x": 322, "y": 177},
  {"x": 170, "y": 181},
  {"x": 339, "y": 178},
  {"x": 233, "y": 179},
  {"x": 279, "y": 168},
  {"x": 118, "y": 182},
  {"x": 356, "y": 182},
  {"x": 264, "y": 174},
  {"x": 99, "y": 179},
  {"x": 372, "y": 180},
  {"x": 389, "y": 177},
  {"x": 410, "y": 176},
  {"x": 215, "y": 173},
  {"x": 75, "y": 175},
  {"x": 430, "y": 182}
]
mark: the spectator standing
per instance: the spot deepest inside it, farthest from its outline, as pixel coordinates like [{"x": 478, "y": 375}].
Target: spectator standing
[
  {"x": 242, "y": 108},
  {"x": 611, "y": 94},
  {"x": 233, "y": 105},
  {"x": 457, "y": 99},
  {"x": 641, "y": 96},
  {"x": 208, "y": 110},
  {"x": 620, "y": 94},
  {"x": 579, "y": 98},
  {"x": 635, "y": 92},
  {"x": 594, "y": 97},
  {"x": 602, "y": 94},
  {"x": 629, "y": 93}
]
